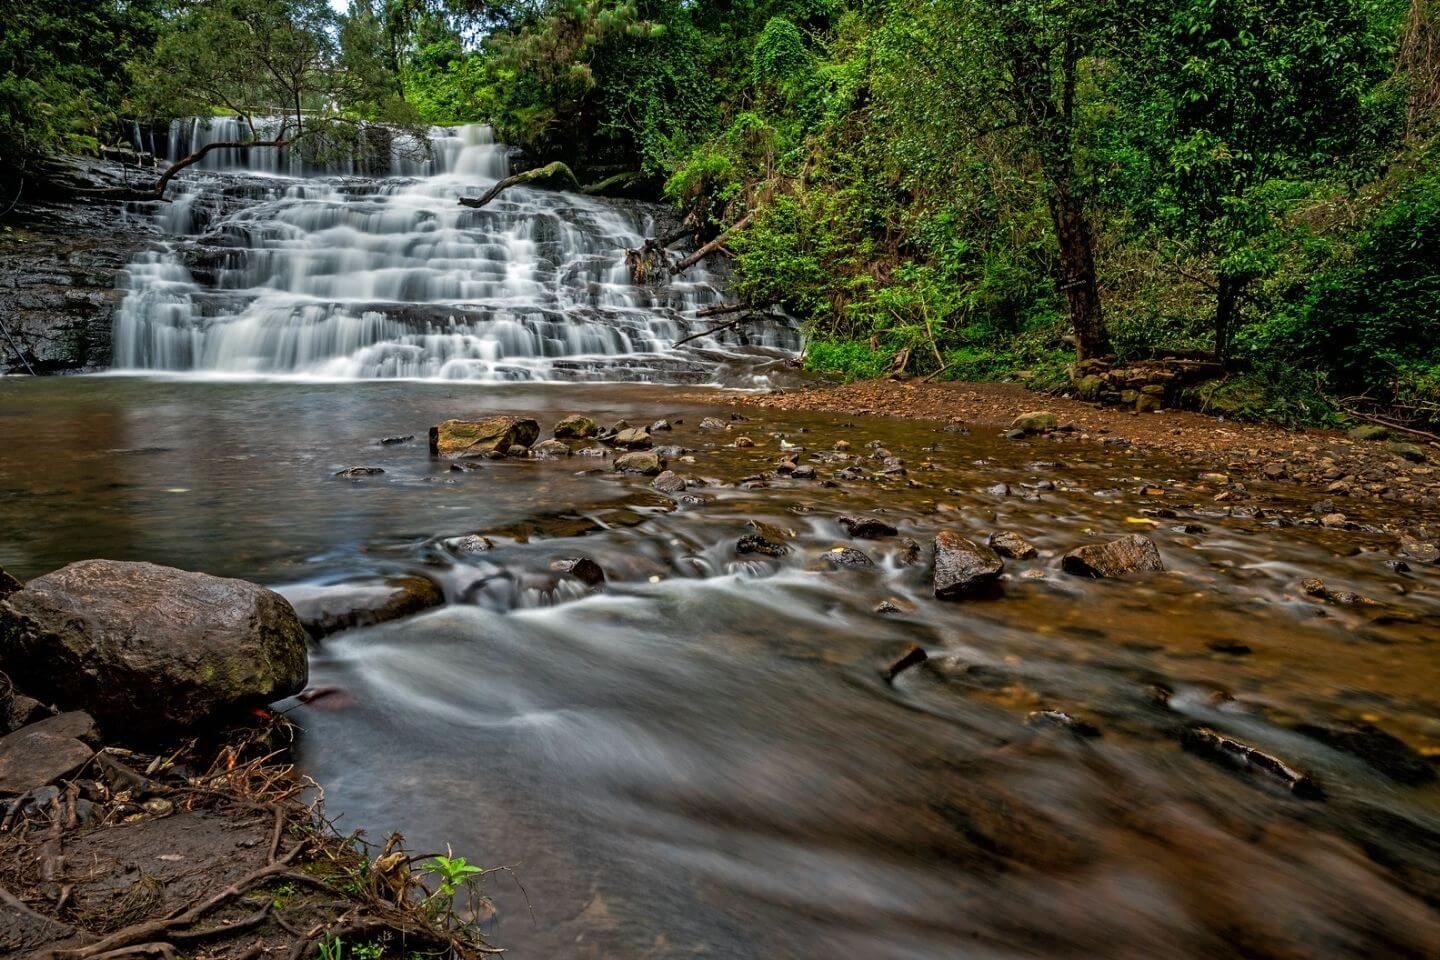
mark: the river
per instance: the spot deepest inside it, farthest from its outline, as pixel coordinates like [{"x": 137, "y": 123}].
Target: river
[{"x": 705, "y": 757}]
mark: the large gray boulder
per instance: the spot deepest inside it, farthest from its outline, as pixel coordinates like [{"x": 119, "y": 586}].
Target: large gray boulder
[{"x": 150, "y": 650}]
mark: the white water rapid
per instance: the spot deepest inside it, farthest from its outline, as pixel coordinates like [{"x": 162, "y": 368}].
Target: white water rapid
[{"x": 269, "y": 269}]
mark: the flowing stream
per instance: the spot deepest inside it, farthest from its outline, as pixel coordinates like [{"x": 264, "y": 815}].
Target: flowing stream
[{"x": 705, "y": 757}]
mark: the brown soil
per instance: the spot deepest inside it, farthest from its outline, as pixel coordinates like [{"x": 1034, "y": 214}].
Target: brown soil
[{"x": 1330, "y": 462}]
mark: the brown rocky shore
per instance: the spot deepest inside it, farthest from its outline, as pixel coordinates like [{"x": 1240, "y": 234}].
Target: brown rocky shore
[{"x": 1367, "y": 463}]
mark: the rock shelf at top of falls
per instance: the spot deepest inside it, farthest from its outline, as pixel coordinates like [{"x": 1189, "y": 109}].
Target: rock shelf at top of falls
[{"x": 336, "y": 276}]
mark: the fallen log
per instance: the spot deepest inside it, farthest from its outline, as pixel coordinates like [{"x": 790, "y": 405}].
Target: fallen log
[
  {"x": 711, "y": 247},
  {"x": 551, "y": 171}
]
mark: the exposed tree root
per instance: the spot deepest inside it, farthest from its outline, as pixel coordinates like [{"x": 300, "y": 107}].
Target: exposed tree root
[{"x": 363, "y": 893}]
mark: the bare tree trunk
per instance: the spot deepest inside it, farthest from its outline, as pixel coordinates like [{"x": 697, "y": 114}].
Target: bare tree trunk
[
  {"x": 1227, "y": 310},
  {"x": 1077, "y": 273}
]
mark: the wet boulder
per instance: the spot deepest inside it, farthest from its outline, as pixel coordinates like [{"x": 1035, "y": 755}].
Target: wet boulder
[
  {"x": 867, "y": 527},
  {"x": 669, "y": 482},
  {"x": 963, "y": 567},
  {"x": 643, "y": 462},
  {"x": 576, "y": 427},
  {"x": 1117, "y": 558},
  {"x": 328, "y": 609},
  {"x": 1407, "y": 451},
  {"x": 359, "y": 473},
  {"x": 470, "y": 544},
  {"x": 713, "y": 423},
  {"x": 843, "y": 557},
  {"x": 8, "y": 584},
  {"x": 767, "y": 539},
  {"x": 634, "y": 438},
  {"x": 1010, "y": 544},
  {"x": 584, "y": 569},
  {"x": 1039, "y": 421},
  {"x": 551, "y": 450},
  {"x": 150, "y": 650},
  {"x": 491, "y": 437}
]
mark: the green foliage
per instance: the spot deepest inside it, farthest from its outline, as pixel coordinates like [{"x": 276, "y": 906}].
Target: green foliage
[
  {"x": 62, "y": 74},
  {"x": 848, "y": 359},
  {"x": 1372, "y": 317},
  {"x": 1252, "y": 174}
]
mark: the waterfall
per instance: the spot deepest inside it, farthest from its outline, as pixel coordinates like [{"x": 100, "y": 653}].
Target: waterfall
[{"x": 273, "y": 268}]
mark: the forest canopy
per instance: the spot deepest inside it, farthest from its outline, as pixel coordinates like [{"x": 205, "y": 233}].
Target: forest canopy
[{"x": 975, "y": 187}]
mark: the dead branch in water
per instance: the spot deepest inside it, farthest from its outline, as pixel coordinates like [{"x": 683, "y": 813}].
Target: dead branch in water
[
  {"x": 712, "y": 246},
  {"x": 716, "y": 329},
  {"x": 551, "y": 171}
]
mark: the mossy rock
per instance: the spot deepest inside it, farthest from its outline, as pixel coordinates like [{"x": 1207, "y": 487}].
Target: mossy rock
[
  {"x": 491, "y": 437},
  {"x": 1037, "y": 421},
  {"x": 1368, "y": 431},
  {"x": 1408, "y": 451}
]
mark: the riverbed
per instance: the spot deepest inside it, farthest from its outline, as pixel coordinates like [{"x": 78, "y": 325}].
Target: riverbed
[{"x": 705, "y": 756}]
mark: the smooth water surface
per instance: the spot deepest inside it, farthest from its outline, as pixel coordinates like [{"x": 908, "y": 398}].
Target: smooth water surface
[{"x": 704, "y": 759}]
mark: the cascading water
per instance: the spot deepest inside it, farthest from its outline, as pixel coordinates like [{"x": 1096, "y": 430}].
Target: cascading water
[{"x": 333, "y": 275}]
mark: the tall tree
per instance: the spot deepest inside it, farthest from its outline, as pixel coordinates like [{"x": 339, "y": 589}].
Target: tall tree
[{"x": 1230, "y": 106}]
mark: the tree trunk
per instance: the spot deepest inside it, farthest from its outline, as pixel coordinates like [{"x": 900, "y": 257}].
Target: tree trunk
[
  {"x": 1227, "y": 309},
  {"x": 1077, "y": 273}
]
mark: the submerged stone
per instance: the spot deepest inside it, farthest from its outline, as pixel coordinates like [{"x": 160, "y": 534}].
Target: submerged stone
[{"x": 361, "y": 603}]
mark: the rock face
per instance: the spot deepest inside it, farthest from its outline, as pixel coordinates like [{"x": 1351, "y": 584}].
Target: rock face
[
  {"x": 491, "y": 437},
  {"x": 58, "y": 293},
  {"x": 576, "y": 427},
  {"x": 1118, "y": 558},
  {"x": 324, "y": 610},
  {"x": 963, "y": 567},
  {"x": 147, "y": 649}
]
